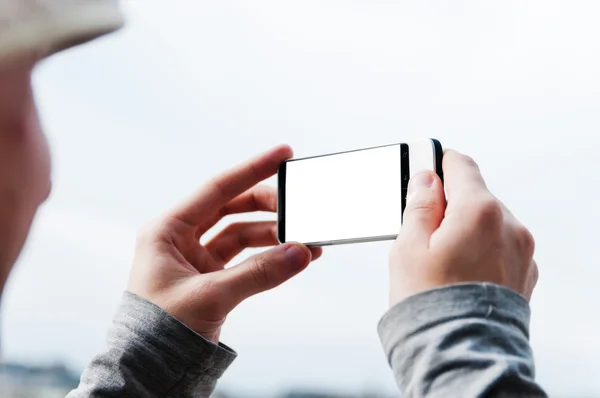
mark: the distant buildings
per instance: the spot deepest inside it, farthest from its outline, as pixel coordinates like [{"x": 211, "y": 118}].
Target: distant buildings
[
  {"x": 306, "y": 394},
  {"x": 20, "y": 381},
  {"x": 325, "y": 395}
]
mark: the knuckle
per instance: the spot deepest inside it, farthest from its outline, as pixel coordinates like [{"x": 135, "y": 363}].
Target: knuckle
[
  {"x": 243, "y": 239},
  {"x": 524, "y": 240},
  {"x": 233, "y": 228},
  {"x": 255, "y": 197},
  {"x": 535, "y": 274},
  {"x": 220, "y": 187},
  {"x": 270, "y": 195},
  {"x": 423, "y": 205},
  {"x": 224, "y": 211},
  {"x": 255, "y": 172},
  {"x": 488, "y": 212},
  {"x": 259, "y": 271},
  {"x": 238, "y": 231},
  {"x": 531, "y": 279},
  {"x": 469, "y": 161}
]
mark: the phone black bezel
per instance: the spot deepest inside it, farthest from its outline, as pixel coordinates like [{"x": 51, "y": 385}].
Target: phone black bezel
[
  {"x": 405, "y": 167},
  {"x": 281, "y": 178},
  {"x": 439, "y": 158}
]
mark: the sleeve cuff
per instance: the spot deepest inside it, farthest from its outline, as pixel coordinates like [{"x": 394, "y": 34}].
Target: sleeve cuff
[
  {"x": 474, "y": 300},
  {"x": 178, "y": 343}
]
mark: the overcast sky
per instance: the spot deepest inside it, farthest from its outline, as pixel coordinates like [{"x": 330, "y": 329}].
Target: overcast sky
[{"x": 139, "y": 119}]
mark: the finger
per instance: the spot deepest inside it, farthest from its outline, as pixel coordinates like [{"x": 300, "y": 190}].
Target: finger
[
  {"x": 532, "y": 279},
  {"x": 220, "y": 190},
  {"x": 425, "y": 207},
  {"x": 264, "y": 271},
  {"x": 316, "y": 253},
  {"x": 462, "y": 177},
  {"x": 517, "y": 232},
  {"x": 239, "y": 236},
  {"x": 259, "y": 198}
]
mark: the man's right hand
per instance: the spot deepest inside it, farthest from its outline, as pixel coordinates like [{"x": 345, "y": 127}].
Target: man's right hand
[{"x": 471, "y": 237}]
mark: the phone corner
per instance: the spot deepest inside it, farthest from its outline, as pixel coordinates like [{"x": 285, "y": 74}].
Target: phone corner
[{"x": 280, "y": 239}]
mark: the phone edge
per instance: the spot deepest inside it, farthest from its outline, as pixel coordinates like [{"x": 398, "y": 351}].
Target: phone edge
[
  {"x": 438, "y": 152},
  {"x": 353, "y": 240},
  {"x": 281, "y": 171},
  {"x": 404, "y": 177},
  {"x": 343, "y": 152},
  {"x": 281, "y": 180}
]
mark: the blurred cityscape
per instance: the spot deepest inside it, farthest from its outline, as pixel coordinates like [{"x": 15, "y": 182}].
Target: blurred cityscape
[
  {"x": 21, "y": 381},
  {"x": 55, "y": 381}
]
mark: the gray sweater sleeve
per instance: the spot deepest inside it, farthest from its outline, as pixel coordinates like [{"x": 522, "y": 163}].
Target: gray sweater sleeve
[
  {"x": 151, "y": 354},
  {"x": 468, "y": 340}
]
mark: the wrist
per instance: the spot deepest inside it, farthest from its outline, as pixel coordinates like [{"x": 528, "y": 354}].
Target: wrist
[{"x": 188, "y": 317}]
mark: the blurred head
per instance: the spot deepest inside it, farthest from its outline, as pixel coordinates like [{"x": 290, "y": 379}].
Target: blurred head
[{"x": 24, "y": 161}]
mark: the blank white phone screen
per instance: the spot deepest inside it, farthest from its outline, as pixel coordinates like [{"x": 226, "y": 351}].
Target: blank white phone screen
[{"x": 352, "y": 195}]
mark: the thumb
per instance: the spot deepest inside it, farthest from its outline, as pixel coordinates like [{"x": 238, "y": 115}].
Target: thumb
[
  {"x": 425, "y": 206},
  {"x": 265, "y": 271}
]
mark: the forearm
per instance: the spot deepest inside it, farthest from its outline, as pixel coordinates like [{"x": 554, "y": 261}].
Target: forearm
[
  {"x": 471, "y": 339},
  {"x": 151, "y": 354}
]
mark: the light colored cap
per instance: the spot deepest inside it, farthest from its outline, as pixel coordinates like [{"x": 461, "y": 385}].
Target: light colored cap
[{"x": 43, "y": 27}]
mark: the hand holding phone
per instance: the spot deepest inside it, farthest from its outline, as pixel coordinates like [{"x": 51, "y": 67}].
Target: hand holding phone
[
  {"x": 468, "y": 237},
  {"x": 350, "y": 197}
]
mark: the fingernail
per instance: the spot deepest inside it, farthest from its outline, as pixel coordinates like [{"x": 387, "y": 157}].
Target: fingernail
[
  {"x": 420, "y": 181},
  {"x": 295, "y": 257}
]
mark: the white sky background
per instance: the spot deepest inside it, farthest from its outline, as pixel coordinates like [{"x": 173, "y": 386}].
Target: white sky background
[{"x": 189, "y": 88}]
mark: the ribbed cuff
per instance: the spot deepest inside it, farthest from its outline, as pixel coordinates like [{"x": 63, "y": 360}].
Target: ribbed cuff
[
  {"x": 176, "y": 342},
  {"x": 474, "y": 300}
]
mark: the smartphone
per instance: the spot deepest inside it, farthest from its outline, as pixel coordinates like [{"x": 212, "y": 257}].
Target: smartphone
[{"x": 350, "y": 197}]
